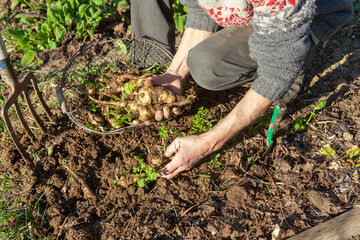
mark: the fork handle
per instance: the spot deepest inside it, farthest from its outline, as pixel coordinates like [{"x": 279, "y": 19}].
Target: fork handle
[
  {"x": 7, "y": 71},
  {"x": 3, "y": 52}
]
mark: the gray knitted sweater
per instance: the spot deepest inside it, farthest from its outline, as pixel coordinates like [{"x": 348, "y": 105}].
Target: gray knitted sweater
[{"x": 280, "y": 40}]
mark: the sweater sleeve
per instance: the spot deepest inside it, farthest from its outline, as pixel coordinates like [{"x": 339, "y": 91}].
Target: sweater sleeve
[
  {"x": 197, "y": 18},
  {"x": 279, "y": 44}
]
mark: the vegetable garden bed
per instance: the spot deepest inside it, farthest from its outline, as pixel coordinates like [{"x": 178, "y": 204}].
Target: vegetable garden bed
[{"x": 85, "y": 186}]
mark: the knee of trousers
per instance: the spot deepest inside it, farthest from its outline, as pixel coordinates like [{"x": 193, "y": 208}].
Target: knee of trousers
[{"x": 202, "y": 66}]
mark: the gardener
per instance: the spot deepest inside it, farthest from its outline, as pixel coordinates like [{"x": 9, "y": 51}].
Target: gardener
[{"x": 227, "y": 43}]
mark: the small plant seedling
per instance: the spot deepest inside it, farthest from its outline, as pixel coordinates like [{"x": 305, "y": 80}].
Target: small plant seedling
[
  {"x": 118, "y": 176},
  {"x": 89, "y": 126},
  {"x": 155, "y": 69},
  {"x": 251, "y": 161},
  {"x": 33, "y": 155},
  {"x": 354, "y": 157},
  {"x": 214, "y": 158},
  {"x": 178, "y": 133},
  {"x": 122, "y": 47},
  {"x": 329, "y": 151},
  {"x": 144, "y": 174},
  {"x": 180, "y": 13},
  {"x": 203, "y": 176},
  {"x": 202, "y": 122},
  {"x": 124, "y": 119},
  {"x": 92, "y": 107},
  {"x": 128, "y": 89},
  {"x": 300, "y": 123},
  {"x": 262, "y": 122},
  {"x": 163, "y": 133},
  {"x": 119, "y": 119}
]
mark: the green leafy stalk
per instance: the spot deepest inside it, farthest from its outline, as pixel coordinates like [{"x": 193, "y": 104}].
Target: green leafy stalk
[
  {"x": 163, "y": 133},
  {"x": 202, "y": 122},
  {"x": 144, "y": 174},
  {"x": 128, "y": 89},
  {"x": 300, "y": 122}
]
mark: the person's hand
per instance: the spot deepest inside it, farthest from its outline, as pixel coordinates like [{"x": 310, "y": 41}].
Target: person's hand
[
  {"x": 188, "y": 150},
  {"x": 173, "y": 83}
]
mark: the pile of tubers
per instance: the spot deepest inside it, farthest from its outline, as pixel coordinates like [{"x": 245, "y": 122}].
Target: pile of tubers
[{"x": 126, "y": 96}]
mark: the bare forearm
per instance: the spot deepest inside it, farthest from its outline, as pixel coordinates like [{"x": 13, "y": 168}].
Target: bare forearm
[
  {"x": 189, "y": 40},
  {"x": 246, "y": 111}
]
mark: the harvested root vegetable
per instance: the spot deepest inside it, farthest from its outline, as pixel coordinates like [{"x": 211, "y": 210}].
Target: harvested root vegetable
[
  {"x": 146, "y": 113},
  {"x": 158, "y": 162},
  {"x": 125, "y": 181},
  {"x": 124, "y": 97}
]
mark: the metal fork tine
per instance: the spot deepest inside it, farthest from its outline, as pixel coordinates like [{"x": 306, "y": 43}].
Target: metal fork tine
[
  {"x": 23, "y": 122},
  {"x": 33, "y": 112},
  {"x": 38, "y": 93},
  {"x": 24, "y": 155}
]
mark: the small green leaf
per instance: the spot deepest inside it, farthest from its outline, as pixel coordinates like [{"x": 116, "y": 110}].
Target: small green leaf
[
  {"x": 81, "y": 10},
  {"x": 299, "y": 123},
  {"x": 52, "y": 44},
  {"x": 98, "y": 2},
  {"x": 122, "y": 47},
  {"x": 60, "y": 32},
  {"x": 28, "y": 58},
  {"x": 29, "y": 21},
  {"x": 17, "y": 34},
  {"x": 320, "y": 106},
  {"x": 329, "y": 151},
  {"x": 353, "y": 152},
  {"x": 92, "y": 11},
  {"x": 14, "y": 4},
  {"x": 179, "y": 22},
  {"x": 205, "y": 176}
]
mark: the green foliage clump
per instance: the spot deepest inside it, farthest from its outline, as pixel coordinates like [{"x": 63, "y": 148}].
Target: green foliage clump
[
  {"x": 354, "y": 157},
  {"x": 214, "y": 158},
  {"x": 163, "y": 133},
  {"x": 119, "y": 119},
  {"x": 202, "y": 122},
  {"x": 300, "y": 122},
  {"x": 180, "y": 13},
  {"x": 37, "y": 33},
  {"x": 16, "y": 220},
  {"x": 128, "y": 89},
  {"x": 144, "y": 174},
  {"x": 262, "y": 122},
  {"x": 155, "y": 69}
]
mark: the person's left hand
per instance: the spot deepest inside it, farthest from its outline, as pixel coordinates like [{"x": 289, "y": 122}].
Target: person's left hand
[{"x": 188, "y": 150}]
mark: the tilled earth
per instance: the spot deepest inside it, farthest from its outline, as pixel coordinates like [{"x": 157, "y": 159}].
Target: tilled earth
[{"x": 295, "y": 186}]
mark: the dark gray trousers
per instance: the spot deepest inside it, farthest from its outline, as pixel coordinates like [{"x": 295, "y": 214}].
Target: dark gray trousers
[
  {"x": 220, "y": 62},
  {"x": 153, "y": 19}
]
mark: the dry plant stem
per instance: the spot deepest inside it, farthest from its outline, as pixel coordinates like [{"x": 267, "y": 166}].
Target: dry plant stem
[
  {"x": 85, "y": 188},
  {"x": 108, "y": 103},
  {"x": 277, "y": 193},
  {"x": 61, "y": 228}
]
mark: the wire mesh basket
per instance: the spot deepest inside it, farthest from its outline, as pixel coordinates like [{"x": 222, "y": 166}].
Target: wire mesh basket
[{"x": 108, "y": 59}]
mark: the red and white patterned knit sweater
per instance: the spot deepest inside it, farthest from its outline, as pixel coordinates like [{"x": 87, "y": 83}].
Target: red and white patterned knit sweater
[{"x": 240, "y": 12}]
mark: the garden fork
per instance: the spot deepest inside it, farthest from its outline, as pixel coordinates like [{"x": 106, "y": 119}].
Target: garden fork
[{"x": 17, "y": 88}]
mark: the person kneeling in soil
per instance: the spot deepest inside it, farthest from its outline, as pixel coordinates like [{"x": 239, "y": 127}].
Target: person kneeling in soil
[{"x": 227, "y": 43}]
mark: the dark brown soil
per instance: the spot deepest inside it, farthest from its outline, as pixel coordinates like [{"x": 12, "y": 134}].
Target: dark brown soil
[{"x": 295, "y": 186}]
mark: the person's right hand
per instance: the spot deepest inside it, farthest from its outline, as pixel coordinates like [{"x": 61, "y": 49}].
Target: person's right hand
[{"x": 173, "y": 83}]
